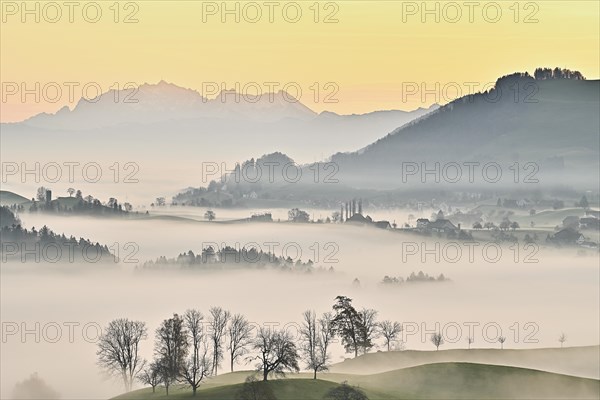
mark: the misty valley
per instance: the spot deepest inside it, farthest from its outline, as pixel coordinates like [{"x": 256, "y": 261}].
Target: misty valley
[{"x": 329, "y": 201}]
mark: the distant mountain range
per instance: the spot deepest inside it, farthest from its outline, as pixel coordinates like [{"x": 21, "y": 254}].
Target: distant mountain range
[
  {"x": 270, "y": 122},
  {"x": 552, "y": 123}
]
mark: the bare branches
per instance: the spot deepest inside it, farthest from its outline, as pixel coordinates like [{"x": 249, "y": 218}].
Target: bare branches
[
  {"x": 239, "y": 337},
  {"x": 390, "y": 331},
  {"x": 118, "y": 349},
  {"x": 218, "y": 324}
]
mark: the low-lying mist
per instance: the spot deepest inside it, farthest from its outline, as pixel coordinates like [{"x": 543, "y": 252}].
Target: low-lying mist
[{"x": 530, "y": 303}]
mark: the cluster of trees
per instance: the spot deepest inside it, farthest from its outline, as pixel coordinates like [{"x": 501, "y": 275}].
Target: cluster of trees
[
  {"x": 64, "y": 247},
  {"x": 8, "y": 217},
  {"x": 189, "y": 347},
  {"x": 229, "y": 256},
  {"x": 505, "y": 225},
  {"x": 297, "y": 215},
  {"x": 418, "y": 277},
  {"x": 84, "y": 205},
  {"x": 557, "y": 73}
]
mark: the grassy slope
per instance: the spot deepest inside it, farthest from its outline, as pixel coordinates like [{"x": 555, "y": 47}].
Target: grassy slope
[
  {"x": 578, "y": 361},
  {"x": 288, "y": 389},
  {"x": 9, "y": 198},
  {"x": 478, "y": 381},
  {"x": 433, "y": 381}
]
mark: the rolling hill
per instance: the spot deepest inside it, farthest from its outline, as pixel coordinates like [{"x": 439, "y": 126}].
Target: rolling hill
[
  {"x": 9, "y": 198},
  {"x": 553, "y": 123},
  {"x": 432, "y": 381},
  {"x": 581, "y": 361}
]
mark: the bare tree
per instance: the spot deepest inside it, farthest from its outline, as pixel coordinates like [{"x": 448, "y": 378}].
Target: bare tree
[
  {"x": 327, "y": 333},
  {"x": 562, "y": 339},
  {"x": 437, "y": 340},
  {"x": 218, "y": 325},
  {"x": 197, "y": 366},
  {"x": 150, "y": 375},
  {"x": 390, "y": 331},
  {"x": 470, "y": 341},
  {"x": 118, "y": 349},
  {"x": 71, "y": 191},
  {"x": 316, "y": 336},
  {"x": 276, "y": 352},
  {"x": 171, "y": 348},
  {"x": 371, "y": 329},
  {"x": 501, "y": 340},
  {"x": 239, "y": 337}
]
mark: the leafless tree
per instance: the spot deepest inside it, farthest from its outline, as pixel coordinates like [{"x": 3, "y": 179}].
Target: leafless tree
[
  {"x": 437, "y": 340},
  {"x": 197, "y": 366},
  {"x": 150, "y": 375},
  {"x": 171, "y": 348},
  {"x": 501, "y": 340},
  {"x": 390, "y": 331},
  {"x": 562, "y": 339},
  {"x": 276, "y": 352},
  {"x": 470, "y": 340},
  {"x": 118, "y": 349},
  {"x": 218, "y": 325},
  {"x": 240, "y": 332},
  {"x": 316, "y": 336},
  {"x": 369, "y": 320}
]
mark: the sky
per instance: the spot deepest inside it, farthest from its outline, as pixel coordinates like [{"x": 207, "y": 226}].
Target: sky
[{"x": 343, "y": 56}]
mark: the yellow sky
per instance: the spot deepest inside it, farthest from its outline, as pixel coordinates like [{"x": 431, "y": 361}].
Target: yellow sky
[{"x": 370, "y": 55}]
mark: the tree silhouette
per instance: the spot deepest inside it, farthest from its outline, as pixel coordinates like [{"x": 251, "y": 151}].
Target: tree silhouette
[
  {"x": 239, "y": 337},
  {"x": 348, "y": 324},
  {"x": 277, "y": 352},
  {"x": 390, "y": 331},
  {"x": 437, "y": 340},
  {"x": 118, "y": 349},
  {"x": 501, "y": 340},
  {"x": 218, "y": 324},
  {"x": 562, "y": 339}
]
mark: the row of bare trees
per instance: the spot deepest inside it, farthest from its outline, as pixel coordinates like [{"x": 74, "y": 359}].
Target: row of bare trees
[{"x": 188, "y": 348}]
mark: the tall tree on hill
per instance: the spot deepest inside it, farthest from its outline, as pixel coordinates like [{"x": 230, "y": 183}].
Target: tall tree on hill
[
  {"x": 171, "y": 348},
  {"x": 118, "y": 349},
  {"x": 197, "y": 366},
  {"x": 316, "y": 335},
  {"x": 240, "y": 332},
  {"x": 218, "y": 325},
  {"x": 348, "y": 324},
  {"x": 390, "y": 331},
  {"x": 276, "y": 352}
]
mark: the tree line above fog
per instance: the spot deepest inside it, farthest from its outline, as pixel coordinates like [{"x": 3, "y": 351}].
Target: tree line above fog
[{"x": 189, "y": 347}]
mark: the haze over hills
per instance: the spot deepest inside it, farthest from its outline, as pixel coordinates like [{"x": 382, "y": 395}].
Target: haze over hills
[
  {"x": 553, "y": 123},
  {"x": 175, "y": 117}
]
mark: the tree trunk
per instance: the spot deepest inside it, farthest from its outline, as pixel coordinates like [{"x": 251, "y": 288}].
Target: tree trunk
[
  {"x": 153, "y": 389},
  {"x": 194, "y": 388},
  {"x": 315, "y": 375},
  {"x": 231, "y": 364},
  {"x": 265, "y": 375}
]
